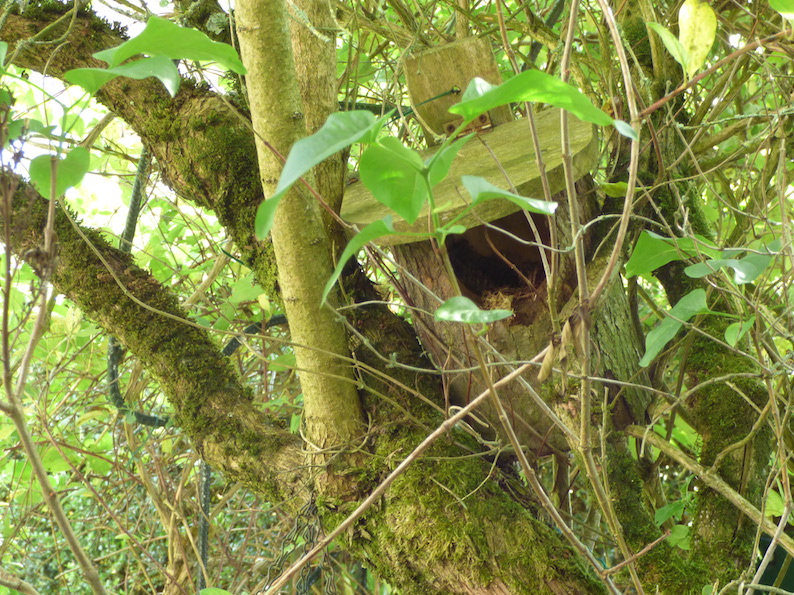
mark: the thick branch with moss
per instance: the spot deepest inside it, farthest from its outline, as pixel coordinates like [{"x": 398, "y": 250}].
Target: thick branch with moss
[{"x": 210, "y": 403}]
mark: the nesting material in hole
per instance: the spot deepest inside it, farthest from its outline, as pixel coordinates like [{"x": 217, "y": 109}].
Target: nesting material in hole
[{"x": 500, "y": 256}]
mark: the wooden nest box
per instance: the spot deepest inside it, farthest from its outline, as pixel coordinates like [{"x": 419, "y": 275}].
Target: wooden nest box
[
  {"x": 502, "y": 153},
  {"x": 497, "y": 260}
]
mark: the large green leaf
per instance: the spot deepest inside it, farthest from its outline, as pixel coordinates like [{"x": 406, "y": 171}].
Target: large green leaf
[
  {"x": 653, "y": 251},
  {"x": 531, "y": 85},
  {"x": 462, "y": 309},
  {"x": 481, "y": 190},
  {"x": 745, "y": 270},
  {"x": 69, "y": 171},
  {"x": 377, "y": 229},
  {"x": 339, "y": 132},
  {"x": 395, "y": 176},
  {"x": 688, "y": 306},
  {"x": 784, "y": 7},
  {"x": 160, "y": 67},
  {"x": 161, "y": 37}
]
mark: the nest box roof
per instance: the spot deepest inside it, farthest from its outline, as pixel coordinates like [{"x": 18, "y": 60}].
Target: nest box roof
[{"x": 511, "y": 144}]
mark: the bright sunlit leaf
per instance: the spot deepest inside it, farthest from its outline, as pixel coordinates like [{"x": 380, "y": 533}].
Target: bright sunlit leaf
[
  {"x": 69, "y": 171},
  {"x": 160, "y": 67},
  {"x": 395, "y": 176},
  {"x": 339, "y": 132},
  {"x": 784, "y": 7},
  {"x": 697, "y": 29},
  {"x": 161, "y": 37},
  {"x": 673, "y": 45},
  {"x": 534, "y": 86}
]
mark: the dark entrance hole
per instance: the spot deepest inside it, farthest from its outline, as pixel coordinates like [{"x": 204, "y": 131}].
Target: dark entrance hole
[{"x": 501, "y": 256}]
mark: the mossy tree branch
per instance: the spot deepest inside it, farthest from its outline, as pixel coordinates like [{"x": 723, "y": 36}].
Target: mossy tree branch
[
  {"x": 212, "y": 407},
  {"x": 202, "y": 143}
]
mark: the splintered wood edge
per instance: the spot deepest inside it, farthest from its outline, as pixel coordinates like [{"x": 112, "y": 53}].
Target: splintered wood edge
[{"x": 511, "y": 145}]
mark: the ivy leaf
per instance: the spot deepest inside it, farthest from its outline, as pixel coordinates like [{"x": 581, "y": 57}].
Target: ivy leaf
[
  {"x": 481, "y": 190},
  {"x": 69, "y": 171},
  {"x": 161, "y": 37},
  {"x": 688, "y": 306},
  {"x": 377, "y": 229},
  {"x": 737, "y": 330},
  {"x": 697, "y": 29},
  {"x": 462, "y": 309},
  {"x": 339, "y": 132}
]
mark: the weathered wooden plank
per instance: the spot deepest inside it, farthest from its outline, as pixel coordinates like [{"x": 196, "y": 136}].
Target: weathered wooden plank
[{"x": 506, "y": 148}]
